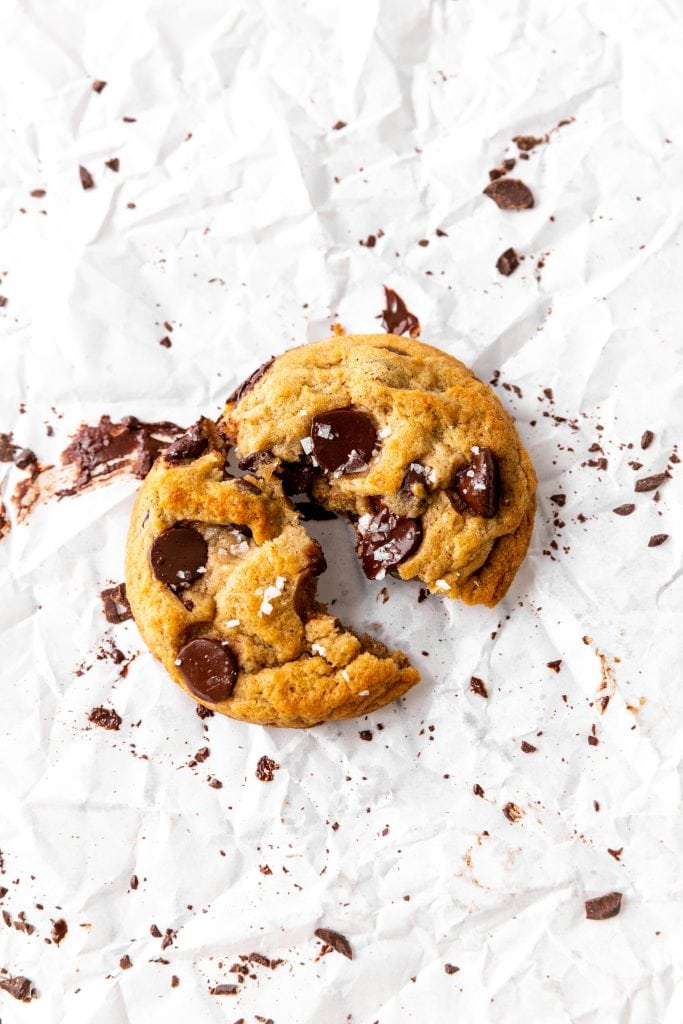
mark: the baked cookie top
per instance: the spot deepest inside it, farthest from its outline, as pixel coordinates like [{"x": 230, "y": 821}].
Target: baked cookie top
[
  {"x": 404, "y": 439},
  {"x": 220, "y": 576}
]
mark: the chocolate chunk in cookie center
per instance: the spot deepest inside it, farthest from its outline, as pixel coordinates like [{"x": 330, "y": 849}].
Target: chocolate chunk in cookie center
[
  {"x": 385, "y": 541},
  {"x": 343, "y": 440},
  {"x": 188, "y": 446},
  {"x": 209, "y": 668},
  {"x": 178, "y": 557},
  {"x": 478, "y": 483}
]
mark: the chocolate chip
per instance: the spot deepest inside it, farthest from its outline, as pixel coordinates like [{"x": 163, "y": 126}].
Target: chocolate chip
[
  {"x": 510, "y": 194},
  {"x": 113, "y": 164},
  {"x": 647, "y": 439},
  {"x": 507, "y": 262},
  {"x": 265, "y": 769},
  {"x": 87, "y": 180},
  {"x": 106, "y": 718},
  {"x": 18, "y": 987},
  {"x": 336, "y": 940},
  {"x": 603, "y": 907},
  {"x": 115, "y": 604},
  {"x": 246, "y": 385},
  {"x": 477, "y": 484},
  {"x": 624, "y": 510},
  {"x": 387, "y": 541},
  {"x": 478, "y": 686},
  {"x": 343, "y": 440},
  {"x": 191, "y": 445},
  {"x": 651, "y": 483},
  {"x": 177, "y": 556},
  {"x": 209, "y": 668},
  {"x": 657, "y": 539}
]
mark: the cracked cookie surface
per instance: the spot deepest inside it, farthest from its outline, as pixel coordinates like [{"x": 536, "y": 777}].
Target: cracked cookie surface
[
  {"x": 404, "y": 439},
  {"x": 220, "y": 576}
]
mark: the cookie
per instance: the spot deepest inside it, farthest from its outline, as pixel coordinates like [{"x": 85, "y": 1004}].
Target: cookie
[
  {"x": 221, "y": 579},
  {"x": 408, "y": 443}
]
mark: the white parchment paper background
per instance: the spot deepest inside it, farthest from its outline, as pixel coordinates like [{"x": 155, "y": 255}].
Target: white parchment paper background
[{"x": 243, "y": 241}]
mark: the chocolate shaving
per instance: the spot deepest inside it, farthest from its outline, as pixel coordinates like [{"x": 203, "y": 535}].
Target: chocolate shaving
[
  {"x": 336, "y": 940},
  {"x": 601, "y": 908}
]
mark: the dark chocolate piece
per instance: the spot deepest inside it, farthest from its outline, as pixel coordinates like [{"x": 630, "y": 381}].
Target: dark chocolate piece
[
  {"x": 647, "y": 439},
  {"x": 297, "y": 477},
  {"x": 651, "y": 483},
  {"x": 246, "y": 385},
  {"x": 87, "y": 180},
  {"x": 478, "y": 686},
  {"x": 256, "y": 460},
  {"x": 396, "y": 317},
  {"x": 415, "y": 474},
  {"x": 555, "y": 665},
  {"x": 59, "y": 930},
  {"x": 387, "y": 541},
  {"x": 450, "y": 968},
  {"x": 178, "y": 557},
  {"x": 601, "y": 908},
  {"x": 657, "y": 539},
  {"x": 507, "y": 262},
  {"x": 115, "y": 604},
  {"x": 125, "y": 963},
  {"x": 98, "y": 85},
  {"x": 265, "y": 769},
  {"x": 189, "y": 446},
  {"x": 477, "y": 484},
  {"x": 106, "y": 718},
  {"x": 528, "y": 748},
  {"x": 18, "y": 987},
  {"x": 311, "y": 511},
  {"x": 209, "y": 669},
  {"x": 343, "y": 440},
  {"x": 510, "y": 194},
  {"x": 624, "y": 510},
  {"x": 336, "y": 940},
  {"x": 113, "y": 164}
]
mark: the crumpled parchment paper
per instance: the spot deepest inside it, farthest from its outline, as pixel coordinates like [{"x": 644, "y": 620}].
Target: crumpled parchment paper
[{"x": 232, "y": 227}]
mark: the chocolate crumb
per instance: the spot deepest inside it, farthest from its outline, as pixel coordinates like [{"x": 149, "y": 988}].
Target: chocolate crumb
[
  {"x": 510, "y": 194},
  {"x": 528, "y": 748},
  {"x": 507, "y": 262},
  {"x": 265, "y": 769},
  {"x": 214, "y": 783},
  {"x": 154, "y": 931},
  {"x": 175, "y": 981},
  {"x": 166, "y": 342},
  {"x": 168, "y": 938},
  {"x": 203, "y": 712},
  {"x": 338, "y": 125},
  {"x": 477, "y": 790},
  {"x": 336, "y": 940},
  {"x": 59, "y": 930},
  {"x": 113, "y": 164},
  {"x": 596, "y": 806},
  {"x": 87, "y": 180},
  {"x": 512, "y": 812},
  {"x": 478, "y": 686},
  {"x": 450, "y": 969},
  {"x": 3, "y": 301},
  {"x": 651, "y": 483},
  {"x": 224, "y": 990},
  {"x": 603, "y": 907},
  {"x": 624, "y": 510},
  {"x": 98, "y": 85},
  {"x": 555, "y": 665},
  {"x": 106, "y": 718},
  {"x": 422, "y": 595},
  {"x": 647, "y": 439},
  {"x": 115, "y": 604},
  {"x": 134, "y": 882},
  {"x": 656, "y": 539},
  {"x": 125, "y": 963},
  {"x": 365, "y": 734},
  {"x": 616, "y": 853},
  {"x": 559, "y": 499},
  {"x": 593, "y": 740}
]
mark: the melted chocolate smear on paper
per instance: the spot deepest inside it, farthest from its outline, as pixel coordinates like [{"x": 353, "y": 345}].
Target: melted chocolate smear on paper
[
  {"x": 115, "y": 604},
  {"x": 396, "y": 317},
  {"x": 100, "y": 451}
]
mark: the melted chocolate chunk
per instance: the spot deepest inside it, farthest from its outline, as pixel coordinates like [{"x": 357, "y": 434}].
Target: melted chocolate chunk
[
  {"x": 343, "y": 440},
  {"x": 297, "y": 477},
  {"x": 510, "y": 194},
  {"x": 246, "y": 385},
  {"x": 177, "y": 556},
  {"x": 336, "y": 940},
  {"x": 256, "y": 460},
  {"x": 311, "y": 511},
  {"x": 603, "y": 907},
  {"x": 478, "y": 484},
  {"x": 396, "y": 317},
  {"x": 387, "y": 541},
  {"x": 209, "y": 668},
  {"x": 190, "y": 446}
]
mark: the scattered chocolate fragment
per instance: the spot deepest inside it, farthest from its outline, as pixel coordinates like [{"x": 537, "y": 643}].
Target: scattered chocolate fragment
[
  {"x": 512, "y": 812},
  {"x": 343, "y": 440},
  {"x": 125, "y": 963},
  {"x": 559, "y": 499},
  {"x": 106, "y": 718},
  {"x": 190, "y": 445},
  {"x": 555, "y": 665},
  {"x": 113, "y": 164},
  {"x": 365, "y": 734},
  {"x": 478, "y": 485},
  {"x": 18, "y": 987},
  {"x": 203, "y": 712},
  {"x": 651, "y": 483},
  {"x": 656, "y": 539},
  {"x": 134, "y": 882},
  {"x": 477, "y": 790},
  {"x": 647, "y": 439},
  {"x": 527, "y": 142},
  {"x": 507, "y": 262},
  {"x": 175, "y": 981},
  {"x": 336, "y": 940},
  {"x": 603, "y": 907},
  {"x": 478, "y": 686},
  {"x": 224, "y": 990},
  {"x": 3, "y": 301},
  {"x": 387, "y": 541},
  {"x": 510, "y": 194},
  {"x": 624, "y": 510},
  {"x": 528, "y": 748},
  {"x": 616, "y": 853},
  {"x": 154, "y": 931},
  {"x": 209, "y": 669},
  {"x": 168, "y": 938},
  {"x": 178, "y": 557},
  {"x": 338, "y": 125},
  {"x": 87, "y": 180},
  {"x": 98, "y": 85},
  {"x": 59, "y": 930},
  {"x": 396, "y": 317},
  {"x": 166, "y": 342},
  {"x": 450, "y": 968},
  {"x": 24, "y": 458},
  {"x": 265, "y": 769},
  {"x": 115, "y": 604},
  {"x": 247, "y": 385}
]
